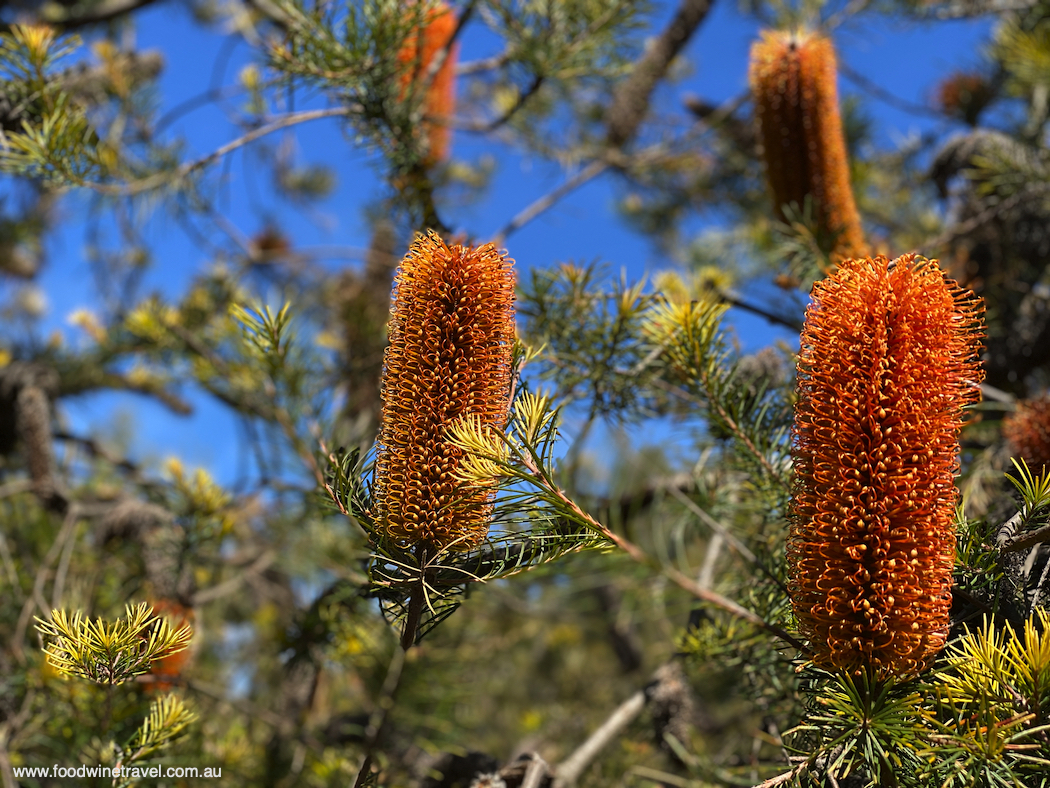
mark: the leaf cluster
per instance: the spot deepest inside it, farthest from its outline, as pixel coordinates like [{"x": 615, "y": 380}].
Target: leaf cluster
[{"x": 110, "y": 652}]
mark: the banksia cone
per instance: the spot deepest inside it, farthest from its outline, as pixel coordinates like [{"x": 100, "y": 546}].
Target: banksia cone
[
  {"x": 1027, "y": 430},
  {"x": 451, "y": 334},
  {"x": 172, "y": 666},
  {"x": 418, "y": 52},
  {"x": 888, "y": 359},
  {"x": 797, "y": 109}
]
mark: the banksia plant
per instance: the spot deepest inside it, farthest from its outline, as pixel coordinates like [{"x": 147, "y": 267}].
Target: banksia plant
[
  {"x": 1027, "y": 431},
  {"x": 888, "y": 360},
  {"x": 792, "y": 77},
  {"x": 451, "y": 334},
  {"x": 417, "y": 55}
]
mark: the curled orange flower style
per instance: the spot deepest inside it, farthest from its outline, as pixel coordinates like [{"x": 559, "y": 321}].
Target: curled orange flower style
[
  {"x": 1027, "y": 430},
  {"x": 792, "y": 77},
  {"x": 888, "y": 359},
  {"x": 451, "y": 334}
]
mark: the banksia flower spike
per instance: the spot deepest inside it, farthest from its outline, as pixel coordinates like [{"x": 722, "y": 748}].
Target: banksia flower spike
[
  {"x": 417, "y": 54},
  {"x": 1027, "y": 431},
  {"x": 174, "y": 665},
  {"x": 451, "y": 334},
  {"x": 792, "y": 77},
  {"x": 888, "y": 360}
]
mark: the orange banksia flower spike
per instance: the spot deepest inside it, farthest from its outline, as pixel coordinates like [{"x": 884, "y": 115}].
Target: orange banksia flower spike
[
  {"x": 888, "y": 359},
  {"x": 417, "y": 54},
  {"x": 1027, "y": 430},
  {"x": 174, "y": 665},
  {"x": 451, "y": 334},
  {"x": 792, "y": 77}
]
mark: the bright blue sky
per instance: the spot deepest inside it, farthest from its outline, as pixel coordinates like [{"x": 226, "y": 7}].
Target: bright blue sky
[{"x": 906, "y": 61}]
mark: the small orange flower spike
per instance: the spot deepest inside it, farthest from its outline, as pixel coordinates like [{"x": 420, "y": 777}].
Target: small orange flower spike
[
  {"x": 417, "y": 54},
  {"x": 451, "y": 334},
  {"x": 792, "y": 79},
  {"x": 888, "y": 360},
  {"x": 171, "y": 666},
  {"x": 1027, "y": 430}
]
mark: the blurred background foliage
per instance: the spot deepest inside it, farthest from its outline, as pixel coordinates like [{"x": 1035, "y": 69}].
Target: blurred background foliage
[{"x": 666, "y": 651}]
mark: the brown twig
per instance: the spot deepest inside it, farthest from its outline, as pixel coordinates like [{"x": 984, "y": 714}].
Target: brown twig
[
  {"x": 569, "y": 770},
  {"x": 163, "y": 178},
  {"x": 380, "y": 714},
  {"x": 592, "y": 170},
  {"x": 679, "y": 579},
  {"x": 1029, "y": 539},
  {"x": 630, "y": 101}
]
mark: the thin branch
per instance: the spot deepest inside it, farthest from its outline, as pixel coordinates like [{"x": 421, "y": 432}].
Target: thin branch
[
  {"x": 742, "y": 549},
  {"x": 998, "y": 395},
  {"x": 569, "y": 771},
  {"x": 99, "y": 12},
  {"x": 630, "y": 101},
  {"x": 682, "y": 581},
  {"x": 592, "y": 170},
  {"x": 780, "y": 779},
  {"x": 969, "y": 9},
  {"x": 36, "y": 598},
  {"x": 233, "y": 583},
  {"x": 484, "y": 64},
  {"x": 487, "y": 127},
  {"x": 885, "y": 96},
  {"x": 772, "y": 317},
  {"x": 534, "y": 775},
  {"x": 162, "y": 178},
  {"x": 1030, "y": 539},
  {"x": 380, "y": 714},
  {"x": 959, "y": 230}
]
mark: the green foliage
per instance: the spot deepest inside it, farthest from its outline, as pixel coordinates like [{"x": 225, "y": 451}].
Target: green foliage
[
  {"x": 590, "y": 333},
  {"x": 57, "y": 142},
  {"x": 1034, "y": 490},
  {"x": 736, "y": 403},
  {"x": 168, "y": 719},
  {"x": 110, "y": 652},
  {"x": 602, "y": 562},
  {"x": 993, "y": 697},
  {"x": 862, "y": 726}
]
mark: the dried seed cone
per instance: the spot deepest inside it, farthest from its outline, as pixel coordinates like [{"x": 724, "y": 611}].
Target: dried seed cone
[
  {"x": 888, "y": 359},
  {"x": 418, "y": 53},
  {"x": 1027, "y": 430},
  {"x": 792, "y": 79},
  {"x": 451, "y": 334}
]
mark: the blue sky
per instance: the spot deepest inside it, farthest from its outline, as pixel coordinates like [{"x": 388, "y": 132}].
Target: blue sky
[{"x": 906, "y": 61}]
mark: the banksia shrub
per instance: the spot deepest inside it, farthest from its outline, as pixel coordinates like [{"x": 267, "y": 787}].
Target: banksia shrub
[
  {"x": 792, "y": 79},
  {"x": 451, "y": 334},
  {"x": 888, "y": 360},
  {"x": 418, "y": 52},
  {"x": 1027, "y": 431}
]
